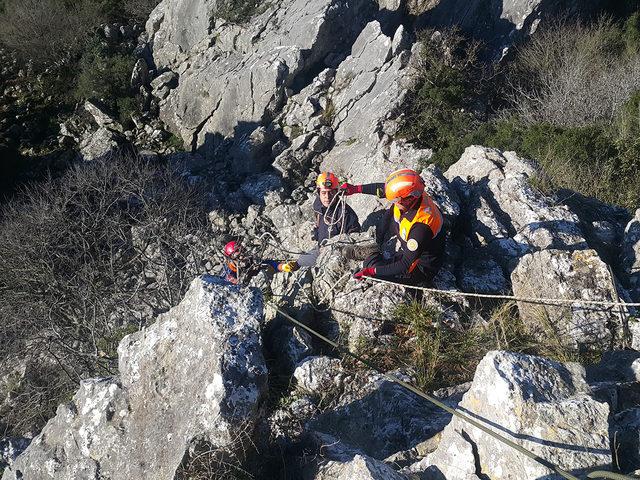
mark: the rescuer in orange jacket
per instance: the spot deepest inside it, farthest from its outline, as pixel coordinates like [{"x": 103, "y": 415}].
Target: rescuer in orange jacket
[{"x": 417, "y": 224}]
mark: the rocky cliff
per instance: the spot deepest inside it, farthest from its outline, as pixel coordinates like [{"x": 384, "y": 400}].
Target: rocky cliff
[{"x": 262, "y": 107}]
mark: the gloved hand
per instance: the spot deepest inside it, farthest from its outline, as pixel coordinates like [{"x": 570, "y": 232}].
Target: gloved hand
[
  {"x": 288, "y": 267},
  {"x": 349, "y": 189},
  {"x": 365, "y": 272}
]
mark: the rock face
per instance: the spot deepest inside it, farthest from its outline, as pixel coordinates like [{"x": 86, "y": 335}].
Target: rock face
[
  {"x": 506, "y": 215},
  {"x": 369, "y": 87},
  {"x": 239, "y": 74},
  {"x": 575, "y": 275},
  {"x": 540, "y": 404},
  {"x": 338, "y": 461},
  {"x": 103, "y": 143},
  {"x": 631, "y": 256},
  {"x": 198, "y": 372},
  {"x": 380, "y": 418}
]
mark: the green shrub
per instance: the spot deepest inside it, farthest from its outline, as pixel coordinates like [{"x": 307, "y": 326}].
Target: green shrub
[
  {"x": 125, "y": 107},
  {"x": 444, "y": 357},
  {"x": 102, "y": 76},
  {"x": 105, "y": 78},
  {"x": 441, "y": 106},
  {"x": 631, "y": 34}
]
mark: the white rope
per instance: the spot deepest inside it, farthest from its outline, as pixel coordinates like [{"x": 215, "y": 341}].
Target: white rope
[
  {"x": 549, "y": 301},
  {"x": 332, "y": 221}
]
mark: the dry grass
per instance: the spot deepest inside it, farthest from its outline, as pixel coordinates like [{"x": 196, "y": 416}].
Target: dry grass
[{"x": 444, "y": 357}]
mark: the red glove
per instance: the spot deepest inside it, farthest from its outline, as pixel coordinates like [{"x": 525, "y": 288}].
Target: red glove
[
  {"x": 365, "y": 272},
  {"x": 349, "y": 189}
]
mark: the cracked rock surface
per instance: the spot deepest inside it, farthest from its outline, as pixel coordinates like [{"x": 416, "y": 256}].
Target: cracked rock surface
[{"x": 543, "y": 405}]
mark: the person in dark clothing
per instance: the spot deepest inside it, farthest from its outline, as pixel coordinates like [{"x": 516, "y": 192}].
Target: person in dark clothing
[
  {"x": 333, "y": 217},
  {"x": 418, "y": 224}
]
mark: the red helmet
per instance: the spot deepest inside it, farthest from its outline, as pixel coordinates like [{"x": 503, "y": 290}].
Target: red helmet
[
  {"x": 232, "y": 249},
  {"x": 403, "y": 183}
]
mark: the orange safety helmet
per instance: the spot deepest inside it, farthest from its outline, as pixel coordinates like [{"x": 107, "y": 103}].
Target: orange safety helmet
[
  {"x": 327, "y": 180},
  {"x": 403, "y": 183}
]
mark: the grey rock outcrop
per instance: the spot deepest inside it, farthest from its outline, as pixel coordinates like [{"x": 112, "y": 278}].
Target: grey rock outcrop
[
  {"x": 631, "y": 256},
  {"x": 316, "y": 373},
  {"x": 197, "y": 372},
  {"x": 100, "y": 144},
  {"x": 100, "y": 117},
  {"x": 506, "y": 215},
  {"x": 380, "y": 418},
  {"x": 543, "y": 405},
  {"x": 239, "y": 74},
  {"x": 369, "y": 87},
  {"x": 338, "y": 461},
  {"x": 139, "y": 74},
  {"x": 580, "y": 274}
]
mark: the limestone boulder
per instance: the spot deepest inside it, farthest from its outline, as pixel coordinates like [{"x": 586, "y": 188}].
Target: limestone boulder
[
  {"x": 631, "y": 256},
  {"x": 540, "y": 404},
  {"x": 293, "y": 222},
  {"x": 316, "y": 373},
  {"x": 100, "y": 117},
  {"x": 197, "y": 372},
  {"x": 101, "y": 144},
  {"x": 337, "y": 461},
  {"x": 577, "y": 275},
  {"x": 504, "y": 213}
]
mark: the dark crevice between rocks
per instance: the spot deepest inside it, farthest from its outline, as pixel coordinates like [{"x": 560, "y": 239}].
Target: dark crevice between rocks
[
  {"x": 476, "y": 455},
  {"x": 196, "y": 133}
]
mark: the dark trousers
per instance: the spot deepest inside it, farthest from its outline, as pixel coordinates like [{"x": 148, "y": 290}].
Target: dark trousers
[{"x": 421, "y": 275}]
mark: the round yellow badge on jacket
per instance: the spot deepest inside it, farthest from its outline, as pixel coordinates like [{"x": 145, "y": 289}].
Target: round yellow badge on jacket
[{"x": 412, "y": 245}]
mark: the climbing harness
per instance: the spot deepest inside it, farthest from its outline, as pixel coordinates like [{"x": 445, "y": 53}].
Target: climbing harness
[{"x": 457, "y": 413}]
